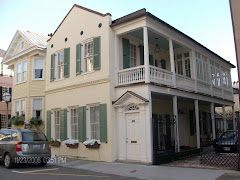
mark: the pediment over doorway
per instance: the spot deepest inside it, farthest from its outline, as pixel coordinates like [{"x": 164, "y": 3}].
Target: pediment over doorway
[{"x": 129, "y": 97}]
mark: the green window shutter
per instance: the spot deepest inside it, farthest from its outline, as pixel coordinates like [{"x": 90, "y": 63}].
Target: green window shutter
[
  {"x": 126, "y": 53},
  {"x": 48, "y": 125},
  {"x": 78, "y": 58},
  {"x": 163, "y": 63},
  {"x": 141, "y": 48},
  {"x": 103, "y": 122},
  {"x": 52, "y": 67},
  {"x": 97, "y": 53},
  {"x": 66, "y": 62},
  {"x": 82, "y": 123},
  {"x": 63, "y": 124},
  {"x": 150, "y": 59}
]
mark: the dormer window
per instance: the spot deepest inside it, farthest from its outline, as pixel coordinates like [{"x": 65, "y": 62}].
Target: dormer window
[{"x": 22, "y": 45}]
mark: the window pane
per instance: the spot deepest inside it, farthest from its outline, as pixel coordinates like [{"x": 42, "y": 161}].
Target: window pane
[
  {"x": 24, "y": 66},
  {"x": 37, "y": 104},
  {"x": 38, "y": 64},
  {"x": 38, "y": 73},
  {"x": 19, "y": 68}
]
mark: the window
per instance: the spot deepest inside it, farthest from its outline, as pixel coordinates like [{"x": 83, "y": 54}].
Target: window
[
  {"x": 22, "y": 45},
  {"x": 37, "y": 107},
  {"x": 202, "y": 67},
  {"x": 20, "y": 107},
  {"x": 187, "y": 67},
  {"x": 183, "y": 66},
  {"x": 60, "y": 67},
  {"x": 38, "y": 69},
  {"x": 213, "y": 75},
  {"x": 88, "y": 56},
  {"x": 218, "y": 78},
  {"x": 179, "y": 67},
  {"x": 21, "y": 72},
  {"x": 74, "y": 124},
  {"x": 57, "y": 124},
  {"x": 133, "y": 55},
  {"x": 94, "y": 123},
  {"x": 3, "y": 121}
]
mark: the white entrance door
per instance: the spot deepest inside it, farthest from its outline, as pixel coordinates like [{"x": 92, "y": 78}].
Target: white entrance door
[
  {"x": 183, "y": 130},
  {"x": 133, "y": 137}
]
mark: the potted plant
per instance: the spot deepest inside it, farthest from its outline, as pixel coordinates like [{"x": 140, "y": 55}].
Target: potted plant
[
  {"x": 35, "y": 121},
  {"x": 17, "y": 120},
  {"x": 92, "y": 144},
  {"x": 55, "y": 143},
  {"x": 72, "y": 143}
]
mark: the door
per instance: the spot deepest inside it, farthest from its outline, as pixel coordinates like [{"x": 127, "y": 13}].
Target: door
[
  {"x": 183, "y": 130},
  {"x": 133, "y": 137}
]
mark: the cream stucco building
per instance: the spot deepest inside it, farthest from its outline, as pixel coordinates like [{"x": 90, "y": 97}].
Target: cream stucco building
[
  {"x": 26, "y": 56},
  {"x": 137, "y": 84}
]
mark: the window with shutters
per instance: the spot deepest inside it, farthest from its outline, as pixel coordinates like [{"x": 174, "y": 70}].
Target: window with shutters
[
  {"x": 20, "y": 107},
  {"x": 88, "y": 56},
  {"x": 21, "y": 72},
  {"x": 93, "y": 122},
  {"x": 38, "y": 68},
  {"x": 60, "y": 65},
  {"x": 74, "y": 123},
  {"x": 133, "y": 55},
  {"x": 37, "y": 107},
  {"x": 57, "y": 124}
]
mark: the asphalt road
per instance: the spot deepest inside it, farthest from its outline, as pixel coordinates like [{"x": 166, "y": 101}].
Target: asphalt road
[{"x": 35, "y": 172}]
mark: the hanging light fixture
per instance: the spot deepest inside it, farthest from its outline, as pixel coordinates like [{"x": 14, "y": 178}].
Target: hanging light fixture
[{"x": 157, "y": 48}]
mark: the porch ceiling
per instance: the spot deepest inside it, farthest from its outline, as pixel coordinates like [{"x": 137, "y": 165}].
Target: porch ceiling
[{"x": 163, "y": 42}]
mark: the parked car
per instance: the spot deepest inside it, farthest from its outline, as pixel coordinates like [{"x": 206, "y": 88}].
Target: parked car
[
  {"x": 23, "y": 146},
  {"x": 227, "y": 142}
]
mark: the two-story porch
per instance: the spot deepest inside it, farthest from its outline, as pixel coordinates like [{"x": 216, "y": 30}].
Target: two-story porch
[{"x": 165, "y": 76}]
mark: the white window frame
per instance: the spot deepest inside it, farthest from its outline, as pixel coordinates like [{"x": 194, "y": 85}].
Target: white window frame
[
  {"x": 132, "y": 58},
  {"x": 83, "y": 66},
  {"x": 21, "y": 73},
  {"x": 88, "y": 121},
  {"x": 22, "y": 45},
  {"x": 69, "y": 121},
  {"x": 33, "y": 70},
  {"x": 182, "y": 59},
  {"x": 20, "y": 106},
  {"x": 42, "y": 110},
  {"x": 56, "y": 71},
  {"x": 53, "y": 122}
]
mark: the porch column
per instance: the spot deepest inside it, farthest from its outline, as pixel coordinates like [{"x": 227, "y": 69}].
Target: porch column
[
  {"x": 224, "y": 118},
  {"x": 146, "y": 54},
  {"x": 175, "y": 113},
  {"x": 116, "y": 57},
  {"x": 234, "y": 120},
  {"x": 197, "y": 122},
  {"x": 194, "y": 70},
  {"x": 213, "y": 121},
  {"x": 171, "y": 53}
]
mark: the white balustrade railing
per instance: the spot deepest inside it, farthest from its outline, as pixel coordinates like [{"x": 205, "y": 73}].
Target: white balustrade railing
[
  {"x": 160, "y": 76},
  {"x": 203, "y": 87},
  {"x": 185, "y": 83},
  {"x": 131, "y": 75}
]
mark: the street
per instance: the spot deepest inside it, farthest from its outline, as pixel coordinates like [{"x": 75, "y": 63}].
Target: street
[{"x": 34, "y": 172}]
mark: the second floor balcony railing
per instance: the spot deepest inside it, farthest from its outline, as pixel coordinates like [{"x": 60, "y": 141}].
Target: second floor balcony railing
[{"x": 165, "y": 77}]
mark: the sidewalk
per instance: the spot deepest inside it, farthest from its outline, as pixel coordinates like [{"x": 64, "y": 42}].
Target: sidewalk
[{"x": 150, "y": 172}]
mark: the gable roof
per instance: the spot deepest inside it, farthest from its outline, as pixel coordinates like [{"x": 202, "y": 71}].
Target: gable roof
[
  {"x": 34, "y": 39},
  {"x": 143, "y": 12},
  {"x": 81, "y": 7},
  {"x": 126, "y": 94}
]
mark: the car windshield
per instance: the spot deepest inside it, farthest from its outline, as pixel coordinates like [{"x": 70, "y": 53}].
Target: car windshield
[
  {"x": 228, "y": 135},
  {"x": 33, "y": 136}
]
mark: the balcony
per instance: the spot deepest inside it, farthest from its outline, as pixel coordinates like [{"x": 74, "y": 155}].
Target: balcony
[{"x": 165, "y": 77}]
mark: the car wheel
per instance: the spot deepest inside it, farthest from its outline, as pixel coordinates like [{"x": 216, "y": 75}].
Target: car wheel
[
  {"x": 7, "y": 161},
  {"x": 42, "y": 163}
]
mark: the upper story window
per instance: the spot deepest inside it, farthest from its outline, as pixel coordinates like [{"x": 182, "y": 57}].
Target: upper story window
[
  {"x": 202, "y": 67},
  {"x": 88, "y": 56},
  {"x": 60, "y": 69},
  {"x": 21, "y": 72},
  {"x": 183, "y": 66},
  {"x": 38, "y": 68},
  {"x": 22, "y": 45},
  {"x": 133, "y": 55}
]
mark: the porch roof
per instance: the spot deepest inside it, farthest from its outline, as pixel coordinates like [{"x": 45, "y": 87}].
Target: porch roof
[{"x": 143, "y": 12}]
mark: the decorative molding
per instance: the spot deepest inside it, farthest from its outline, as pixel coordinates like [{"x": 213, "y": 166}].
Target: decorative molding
[{"x": 79, "y": 85}]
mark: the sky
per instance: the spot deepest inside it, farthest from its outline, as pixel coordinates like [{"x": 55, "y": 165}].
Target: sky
[{"x": 206, "y": 21}]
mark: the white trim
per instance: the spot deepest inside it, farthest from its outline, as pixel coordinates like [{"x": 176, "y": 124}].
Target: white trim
[
  {"x": 20, "y": 105},
  {"x": 38, "y": 97},
  {"x": 33, "y": 69},
  {"x": 88, "y": 124},
  {"x": 21, "y": 73}
]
